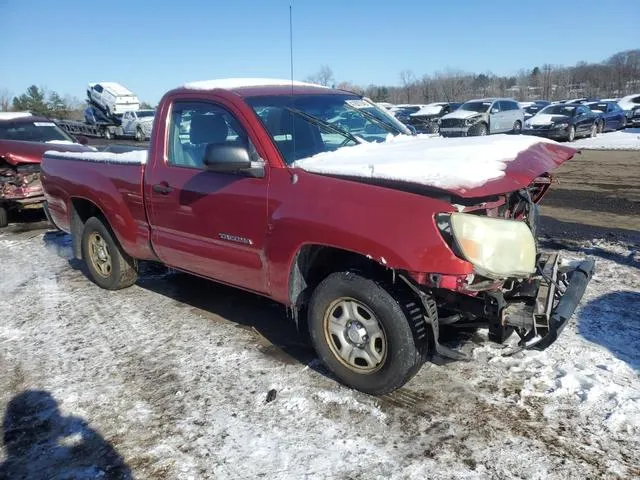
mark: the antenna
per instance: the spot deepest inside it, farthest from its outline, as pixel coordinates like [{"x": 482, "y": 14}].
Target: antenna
[{"x": 293, "y": 123}]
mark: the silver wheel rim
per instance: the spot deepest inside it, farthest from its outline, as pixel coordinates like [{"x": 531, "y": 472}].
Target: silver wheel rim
[
  {"x": 99, "y": 255},
  {"x": 355, "y": 336},
  {"x": 516, "y": 127},
  {"x": 594, "y": 131},
  {"x": 483, "y": 131},
  {"x": 572, "y": 134}
]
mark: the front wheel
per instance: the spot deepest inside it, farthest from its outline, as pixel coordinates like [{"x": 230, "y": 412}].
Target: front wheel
[
  {"x": 139, "y": 135},
  {"x": 479, "y": 130},
  {"x": 360, "y": 331},
  {"x": 4, "y": 217},
  {"x": 517, "y": 127},
  {"x": 107, "y": 134},
  {"x": 594, "y": 131},
  {"x": 571, "y": 136},
  {"x": 109, "y": 266}
]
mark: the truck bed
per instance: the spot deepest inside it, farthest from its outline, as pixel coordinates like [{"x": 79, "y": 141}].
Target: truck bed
[{"x": 111, "y": 180}]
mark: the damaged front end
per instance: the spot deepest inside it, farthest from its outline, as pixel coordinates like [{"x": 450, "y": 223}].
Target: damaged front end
[
  {"x": 20, "y": 186},
  {"x": 513, "y": 287}
]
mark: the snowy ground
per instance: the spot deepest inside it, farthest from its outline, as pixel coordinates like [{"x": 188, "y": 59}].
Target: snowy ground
[
  {"x": 168, "y": 379},
  {"x": 628, "y": 139}
]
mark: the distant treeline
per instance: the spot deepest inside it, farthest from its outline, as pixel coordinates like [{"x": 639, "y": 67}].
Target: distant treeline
[{"x": 616, "y": 76}]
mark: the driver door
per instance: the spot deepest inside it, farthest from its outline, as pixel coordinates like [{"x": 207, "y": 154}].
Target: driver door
[{"x": 208, "y": 223}]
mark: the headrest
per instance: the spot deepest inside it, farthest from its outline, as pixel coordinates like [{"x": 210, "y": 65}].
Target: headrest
[{"x": 208, "y": 129}]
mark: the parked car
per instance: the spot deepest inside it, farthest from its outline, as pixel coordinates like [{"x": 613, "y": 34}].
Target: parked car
[
  {"x": 23, "y": 140},
  {"x": 281, "y": 203},
  {"x": 531, "y": 108},
  {"x": 112, "y": 97},
  {"x": 483, "y": 117},
  {"x": 563, "y": 122},
  {"x": 611, "y": 116},
  {"x": 402, "y": 112},
  {"x": 138, "y": 124},
  {"x": 426, "y": 119},
  {"x": 631, "y": 106}
]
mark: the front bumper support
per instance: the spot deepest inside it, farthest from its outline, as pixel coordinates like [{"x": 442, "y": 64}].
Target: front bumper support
[{"x": 559, "y": 293}]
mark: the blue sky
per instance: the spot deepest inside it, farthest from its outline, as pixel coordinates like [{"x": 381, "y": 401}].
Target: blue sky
[{"x": 154, "y": 45}]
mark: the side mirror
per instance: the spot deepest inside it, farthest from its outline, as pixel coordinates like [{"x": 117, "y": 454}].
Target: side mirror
[
  {"x": 494, "y": 110},
  {"x": 225, "y": 158}
]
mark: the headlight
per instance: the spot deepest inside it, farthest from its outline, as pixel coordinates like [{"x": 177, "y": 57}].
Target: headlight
[
  {"x": 497, "y": 248},
  {"x": 561, "y": 125},
  {"x": 472, "y": 120}
]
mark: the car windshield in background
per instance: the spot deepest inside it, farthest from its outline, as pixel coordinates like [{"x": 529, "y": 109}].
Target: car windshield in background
[
  {"x": 598, "y": 106},
  {"x": 33, "y": 132},
  {"x": 305, "y": 125},
  {"x": 565, "y": 110},
  {"x": 146, "y": 113},
  {"x": 480, "y": 107},
  {"x": 533, "y": 109}
]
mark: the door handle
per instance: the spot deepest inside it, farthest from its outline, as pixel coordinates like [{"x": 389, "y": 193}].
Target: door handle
[{"x": 162, "y": 188}]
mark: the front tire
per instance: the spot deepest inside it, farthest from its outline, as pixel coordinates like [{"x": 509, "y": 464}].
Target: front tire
[
  {"x": 594, "y": 131},
  {"x": 107, "y": 134},
  {"x": 517, "y": 127},
  {"x": 571, "y": 136},
  {"x": 4, "y": 217},
  {"x": 109, "y": 266},
  {"x": 479, "y": 130},
  {"x": 361, "y": 333},
  {"x": 139, "y": 135}
]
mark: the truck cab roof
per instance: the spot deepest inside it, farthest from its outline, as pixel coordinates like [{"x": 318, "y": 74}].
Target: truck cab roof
[{"x": 251, "y": 87}]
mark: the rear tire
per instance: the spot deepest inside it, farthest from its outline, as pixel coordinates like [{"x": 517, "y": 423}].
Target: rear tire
[
  {"x": 109, "y": 266},
  {"x": 4, "y": 217},
  {"x": 361, "y": 332}
]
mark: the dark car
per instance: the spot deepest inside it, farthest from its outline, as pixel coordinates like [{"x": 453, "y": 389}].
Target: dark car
[
  {"x": 402, "y": 112},
  {"x": 563, "y": 122},
  {"x": 426, "y": 119},
  {"x": 535, "y": 107},
  {"x": 612, "y": 117}
]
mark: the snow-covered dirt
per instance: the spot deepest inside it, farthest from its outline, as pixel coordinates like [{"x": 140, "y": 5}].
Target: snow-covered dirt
[
  {"x": 169, "y": 379},
  {"x": 628, "y": 139}
]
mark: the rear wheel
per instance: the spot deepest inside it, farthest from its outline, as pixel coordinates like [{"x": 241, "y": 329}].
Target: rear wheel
[
  {"x": 4, "y": 217},
  {"x": 360, "y": 331},
  {"x": 109, "y": 266}
]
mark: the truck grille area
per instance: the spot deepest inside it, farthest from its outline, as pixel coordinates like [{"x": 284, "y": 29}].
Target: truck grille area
[{"x": 452, "y": 123}]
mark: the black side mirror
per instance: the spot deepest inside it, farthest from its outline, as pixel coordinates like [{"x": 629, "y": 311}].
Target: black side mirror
[{"x": 226, "y": 158}]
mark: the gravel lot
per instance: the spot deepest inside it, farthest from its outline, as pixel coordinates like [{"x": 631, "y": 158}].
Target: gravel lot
[{"x": 170, "y": 378}]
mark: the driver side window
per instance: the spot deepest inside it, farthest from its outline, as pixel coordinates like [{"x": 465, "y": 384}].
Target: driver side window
[{"x": 194, "y": 125}]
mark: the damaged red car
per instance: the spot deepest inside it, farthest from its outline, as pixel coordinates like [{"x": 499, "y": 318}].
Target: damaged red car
[
  {"x": 314, "y": 197},
  {"x": 23, "y": 140}
]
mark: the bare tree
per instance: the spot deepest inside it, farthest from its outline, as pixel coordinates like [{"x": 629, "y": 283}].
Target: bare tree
[
  {"x": 324, "y": 76},
  {"x": 5, "y": 100},
  {"x": 408, "y": 80}
]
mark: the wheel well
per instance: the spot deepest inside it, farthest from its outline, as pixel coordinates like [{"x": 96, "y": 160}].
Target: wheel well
[
  {"x": 81, "y": 210},
  {"x": 313, "y": 263}
]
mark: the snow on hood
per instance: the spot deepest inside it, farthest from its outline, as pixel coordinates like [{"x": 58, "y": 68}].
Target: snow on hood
[
  {"x": 428, "y": 110},
  {"x": 461, "y": 114},
  {"x": 438, "y": 162},
  {"x": 12, "y": 115},
  {"x": 546, "y": 118},
  {"x": 231, "y": 83},
  {"x": 134, "y": 156}
]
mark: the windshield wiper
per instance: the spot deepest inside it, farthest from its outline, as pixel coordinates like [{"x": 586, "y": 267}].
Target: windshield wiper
[
  {"x": 321, "y": 123},
  {"x": 370, "y": 116}
]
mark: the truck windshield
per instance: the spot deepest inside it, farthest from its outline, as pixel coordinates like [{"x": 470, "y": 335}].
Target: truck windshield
[
  {"x": 304, "y": 125},
  {"x": 34, "y": 131},
  {"x": 145, "y": 113}
]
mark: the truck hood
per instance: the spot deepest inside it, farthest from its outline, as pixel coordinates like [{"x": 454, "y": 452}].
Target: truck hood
[
  {"x": 17, "y": 152},
  {"x": 462, "y": 114},
  {"x": 466, "y": 167}
]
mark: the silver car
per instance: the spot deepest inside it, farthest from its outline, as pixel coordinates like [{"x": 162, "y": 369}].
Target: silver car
[{"x": 483, "y": 117}]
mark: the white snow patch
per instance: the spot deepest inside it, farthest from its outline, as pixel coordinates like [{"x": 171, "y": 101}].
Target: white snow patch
[
  {"x": 431, "y": 109},
  {"x": 12, "y": 115},
  {"x": 62, "y": 142},
  {"x": 628, "y": 139},
  {"x": 434, "y": 161},
  {"x": 134, "y": 156},
  {"x": 231, "y": 83}
]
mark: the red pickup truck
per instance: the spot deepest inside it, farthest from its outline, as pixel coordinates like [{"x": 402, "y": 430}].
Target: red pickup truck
[{"x": 320, "y": 200}]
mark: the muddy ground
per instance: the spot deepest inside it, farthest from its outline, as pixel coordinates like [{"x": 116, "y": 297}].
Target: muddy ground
[{"x": 170, "y": 378}]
